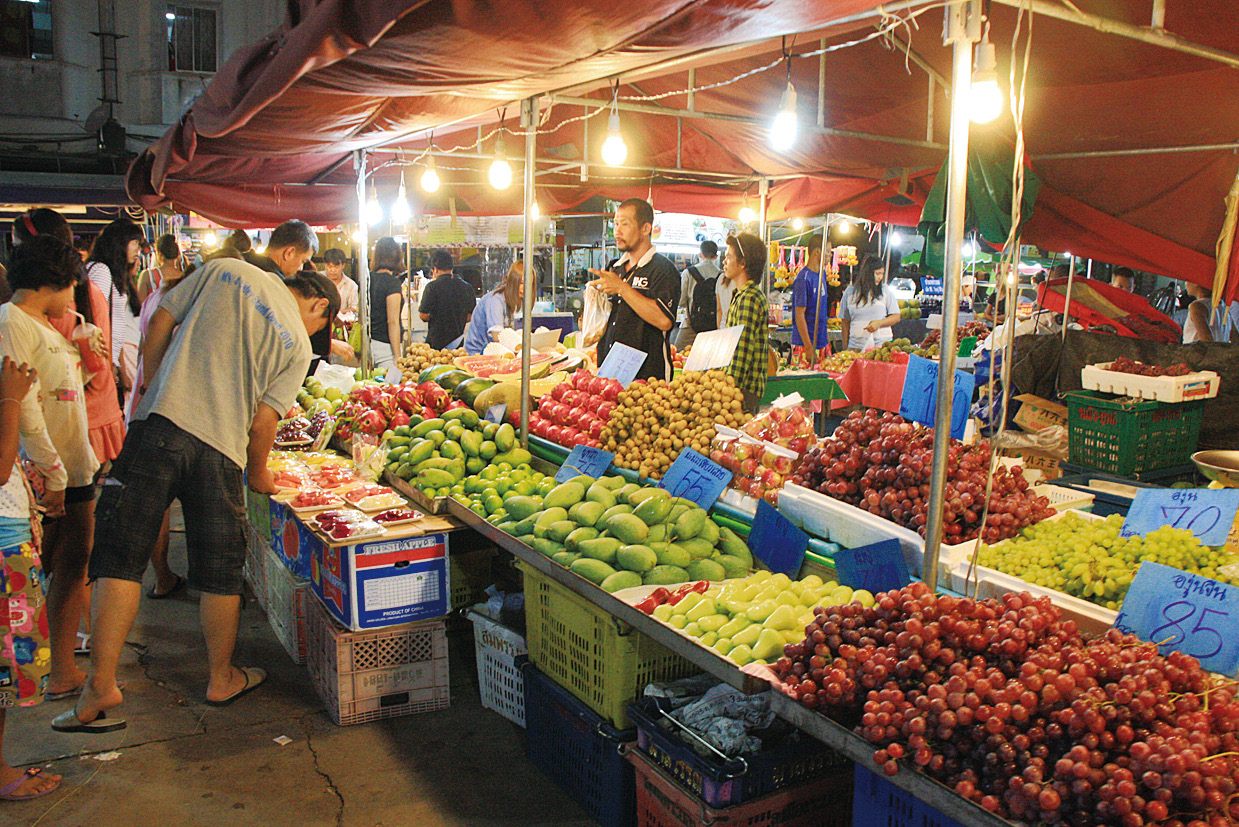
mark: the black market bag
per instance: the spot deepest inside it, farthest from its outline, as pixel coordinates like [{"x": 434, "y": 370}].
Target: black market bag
[{"x": 703, "y": 307}]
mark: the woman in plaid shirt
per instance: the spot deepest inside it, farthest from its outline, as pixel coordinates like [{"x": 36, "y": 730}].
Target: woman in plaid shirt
[{"x": 746, "y": 262}]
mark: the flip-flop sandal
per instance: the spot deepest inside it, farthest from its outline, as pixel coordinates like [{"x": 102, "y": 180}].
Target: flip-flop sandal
[
  {"x": 83, "y": 644},
  {"x": 7, "y": 791},
  {"x": 69, "y": 722},
  {"x": 181, "y": 582},
  {"x": 254, "y": 678},
  {"x": 74, "y": 692}
]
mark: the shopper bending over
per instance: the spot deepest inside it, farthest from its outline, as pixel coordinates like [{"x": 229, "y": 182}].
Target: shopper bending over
[
  {"x": 200, "y": 422},
  {"x": 496, "y": 310},
  {"x": 868, "y": 309},
  {"x": 746, "y": 262}
]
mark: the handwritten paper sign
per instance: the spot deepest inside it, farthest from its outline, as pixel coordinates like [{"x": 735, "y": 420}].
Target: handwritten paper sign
[
  {"x": 714, "y": 349},
  {"x": 592, "y": 462},
  {"x": 1183, "y": 612},
  {"x": 622, "y": 363},
  {"x": 776, "y": 541},
  {"x": 920, "y": 395},
  {"x": 877, "y": 567},
  {"x": 1207, "y": 513},
  {"x": 694, "y": 477}
]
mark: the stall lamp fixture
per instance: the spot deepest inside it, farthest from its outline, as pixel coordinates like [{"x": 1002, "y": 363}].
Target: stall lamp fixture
[
  {"x": 984, "y": 97},
  {"x": 535, "y": 212},
  {"x": 614, "y": 150},
  {"x": 500, "y": 173},
  {"x": 170, "y": 16},
  {"x": 374, "y": 210},
  {"x": 797, "y": 224},
  {"x": 970, "y": 249},
  {"x": 358, "y": 236},
  {"x": 896, "y": 240},
  {"x": 210, "y": 240},
  {"x": 845, "y": 227},
  {"x": 783, "y": 127},
  {"x": 747, "y": 215},
  {"x": 430, "y": 178},
  {"x": 401, "y": 211}
]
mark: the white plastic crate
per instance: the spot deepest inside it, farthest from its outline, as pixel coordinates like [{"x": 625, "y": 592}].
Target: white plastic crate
[
  {"x": 255, "y": 568},
  {"x": 500, "y": 682},
  {"x": 286, "y": 600},
  {"x": 378, "y": 673},
  {"x": 1065, "y": 499},
  {"x": 1201, "y": 384}
]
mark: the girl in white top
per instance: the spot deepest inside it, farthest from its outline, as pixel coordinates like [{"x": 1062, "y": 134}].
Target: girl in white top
[
  {"x": 1196, "y": 328},
  {"x": 112, "y": 268},
  {"x": 868, "y": 309}
]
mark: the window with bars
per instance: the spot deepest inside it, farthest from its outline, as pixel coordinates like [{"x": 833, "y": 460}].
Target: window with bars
[
  {"x": 26, "y": 29},
  {"x": 192, "y": 38}
]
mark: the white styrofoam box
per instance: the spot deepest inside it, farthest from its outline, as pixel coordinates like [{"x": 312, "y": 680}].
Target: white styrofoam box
[{"x": 1201, "y": 384}]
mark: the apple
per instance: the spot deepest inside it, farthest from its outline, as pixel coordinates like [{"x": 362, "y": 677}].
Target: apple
[
  {"x": 748, "y": 468},
  {"x": 718, "y": 457},
  {"x": 772, "y": 478}
]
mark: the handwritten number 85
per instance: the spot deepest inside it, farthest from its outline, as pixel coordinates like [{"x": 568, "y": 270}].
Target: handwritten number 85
[{"x": 1179, "y": 617}]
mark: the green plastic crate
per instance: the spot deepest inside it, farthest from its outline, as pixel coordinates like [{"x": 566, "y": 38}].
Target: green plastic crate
[
  {"x": 604, "y": 662},
  {"x": 1126, "y": 438}
]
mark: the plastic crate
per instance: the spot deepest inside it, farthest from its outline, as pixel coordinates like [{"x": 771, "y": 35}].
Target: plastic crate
[
  {"x": 877, "y": 802},
  {"x": 499, "y": 653},
  {"x": 286, "y": 599},
  {"x": 470, "y": 573},
  {"x": 578, "y": 750},
  {"x": 602, "y": 661},
  {"x": 824, "y": 802},
  {"x": 723, "y": 783},
  {"x": 1200, "y": 384},
  {"x": 1065, "y": 499},
  {"x": 379, "y": 673},
  {"x": 1127, "y": 437},
  {"x": 1105, "y": 502}
]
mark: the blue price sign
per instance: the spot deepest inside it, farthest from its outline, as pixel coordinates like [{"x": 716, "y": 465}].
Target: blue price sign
[
  {"x": 496, "y": 413},
  {"x": 877, "y": 567},
  {"x": 1185, "y": 613},
  {"x": 695, "y": 478},
  {"x": 622, "y": 363},
  {"x": 592, "y": 462},
  {"x": 776, "y": 541},
  {"x": 1207, "y": 513},
  {"x": 920, "y": 395}
]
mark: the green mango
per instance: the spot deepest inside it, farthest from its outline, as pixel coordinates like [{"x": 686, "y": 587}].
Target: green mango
[
  {"x": 733, "y": 567},
  {"x": 565, "y": 558},
  {"x": 521, "y": 507},
  {"x": 582, "y": 480},
  {"x": 677, "y": 510},
  {"x": 600, "y": 494},
  {"x": 560, "y": 530},
  {"x": 636, "y": 558},
  {"x": 548, "y": 518},
  {"x": 613, "y": 482},
  {"x": 698, "y": 548},
  {"x": 465, "y": 416},
  {"x": 730, "y": 543},
  {"x": 621, "y": 580},
  {"x": 564, "y": 495},
  {"x": 690, "y": 523},
  {"x": 524, "y": 527},
  {"x": 672, "y": 554},
  {"x": 621, "y": 493},
  {"x": 434, "y": 478},
  {"x": 628, "y": 528},
  {"x": 595, "y": 571},
  {"x": 487, "y": 449},
  {"x": 600, "y": 548},
  {"x": 652, "y": 510},
  {"x": 545, "y": 546},
  {"x": 425, "y": 428},
  {"x": 665, "y": 576},
  {"x": 658, "y": 533},
  {"x": 507, "y": 526},
  {"x": 611, "y": 512},
  {"x": 579, "y": 535},
  {"x": 514, "y": 457},
  {"x": 471, "y": 442},
  {"x": 586, "y": 513},
  {"x": 419, "y": 451},
  {"x": 489, "y": 429},
  {"x": 706, "y": 570},
  {"x": 709, "y": 532},
  {"x": 505, "y": 437},
  {"x": 639, "y": 496}
]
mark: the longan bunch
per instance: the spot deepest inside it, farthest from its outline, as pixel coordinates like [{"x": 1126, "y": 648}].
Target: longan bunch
[
  {"x": 654, "y": 420},
  {"x": 421, "y": 356}
]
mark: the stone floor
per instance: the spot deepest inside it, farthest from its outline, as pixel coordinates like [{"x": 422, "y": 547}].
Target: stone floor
[{"x": 184, "y": 763}]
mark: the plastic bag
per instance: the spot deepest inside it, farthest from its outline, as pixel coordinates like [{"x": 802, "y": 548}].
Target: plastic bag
[{"x": 595, "y": 314}]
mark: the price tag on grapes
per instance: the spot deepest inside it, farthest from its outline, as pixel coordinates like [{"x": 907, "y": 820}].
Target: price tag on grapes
[
  {"x": 920, "y": 395},
  {"x": 592, "y": 462},
  {"x": 695, "y": 478},
  {"x": 1183, "y": 612},
  {"x": 877, "y": 567},
  {"x": 622, "y": 363},
  {"x": 1208, "y": 513},
  {"x": 776, "y": 541}
]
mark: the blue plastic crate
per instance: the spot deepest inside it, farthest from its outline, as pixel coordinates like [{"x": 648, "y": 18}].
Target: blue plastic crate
[
  {"x": 877, "y": 802},
  {"x": 578, "y": 750}
]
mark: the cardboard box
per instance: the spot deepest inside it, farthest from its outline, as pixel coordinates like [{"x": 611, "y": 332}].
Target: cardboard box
[
  {"x": 293, "y": 540},
  {"x": 1037, "y": 413},
  {"x": 384, "y": 581}
]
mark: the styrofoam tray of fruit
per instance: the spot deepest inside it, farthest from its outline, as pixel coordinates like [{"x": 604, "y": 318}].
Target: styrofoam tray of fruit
[{"x": 1201, "y": 384}]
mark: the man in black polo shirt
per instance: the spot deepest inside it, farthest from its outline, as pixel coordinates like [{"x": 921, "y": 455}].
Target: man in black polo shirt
[{"x": 644, "y": 288}]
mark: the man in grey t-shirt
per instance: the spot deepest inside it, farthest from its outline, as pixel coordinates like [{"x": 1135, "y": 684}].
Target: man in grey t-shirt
[{"x": 225, "y": 352}]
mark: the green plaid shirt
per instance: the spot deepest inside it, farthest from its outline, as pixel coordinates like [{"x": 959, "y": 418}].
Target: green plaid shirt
[{"x": 748, "y": 366}]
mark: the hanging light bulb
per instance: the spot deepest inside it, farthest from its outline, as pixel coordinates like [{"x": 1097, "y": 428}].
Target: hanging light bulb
[
  {"x": 896, "y": 240},
  {"x": 535, "y": 212},
  {"x": 401, "y": 211},
  {"x": 430, "y": 178},
  {"x": 970, "y": 249},
  {"x": 209, "y": 240},
  {"x": 797, "y": 224},
  {"x": 358, "y": 236},
  {"x": 845, "y": 227},
  {"x": 614, "y": 150},
  {"x": 984, "y": 96},
  {"x": 747, "y": 215},
  {"x": 374, "y": 210},
  {"x": 500, "y": 172},
  {"x": 783, "y": 127}
]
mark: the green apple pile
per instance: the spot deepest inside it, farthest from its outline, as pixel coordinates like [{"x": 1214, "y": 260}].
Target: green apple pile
[
  {"x": 750, "y": 620},
  {"x": 314, "y": 396},
  {"x": 619, "y": 534},
  {"x": 436, "y": 454}
]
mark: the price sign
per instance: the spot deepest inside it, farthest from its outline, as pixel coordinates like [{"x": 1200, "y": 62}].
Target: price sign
[
  {"x": 695, "y": 478},
  {"x": 776, "y": 541},
  {"x": 592, "y": 462},
  {"x": 920, "y": 395},
  {"x": 622, "y": 363},
  {"x": 877, "y": 567},
  {"x": 714, "y": 349},
  {"x": 1185, "y": 613},
  {"x": 496, "y": 413},
  {"x": 1207, "y": 513}
]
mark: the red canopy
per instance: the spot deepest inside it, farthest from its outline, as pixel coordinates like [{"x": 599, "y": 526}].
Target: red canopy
[{"x": 271, "y": 135}]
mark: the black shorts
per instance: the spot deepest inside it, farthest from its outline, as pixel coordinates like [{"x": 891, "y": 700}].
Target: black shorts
[
  {"x": 158, "y": 464},
  {"x": 80, "y": 494}
]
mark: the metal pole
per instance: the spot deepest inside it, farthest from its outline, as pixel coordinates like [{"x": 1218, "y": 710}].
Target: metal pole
[
  {"x": 529, "y": 120},
  {"x": 763, "y": 188},
  {"x": 821, "y": 86},
  {"x": 408, "y": 287},
  {"x": 363, "y": 259},
  {"x": 929, "y": 109},
  {"x": 960, "y": 35},
  {"x": 1071, "y": 277},
  {"x": 817, "y": 298}
]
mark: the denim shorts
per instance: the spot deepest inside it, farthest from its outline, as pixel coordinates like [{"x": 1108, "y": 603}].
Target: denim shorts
[{"x": 158, "y": 464}]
